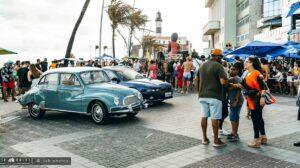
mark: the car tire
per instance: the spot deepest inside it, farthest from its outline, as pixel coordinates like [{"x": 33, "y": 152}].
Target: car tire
[
  {"x": 35, "y": 111},
  {"x": 99, "y": 113},
  {"x": 132, "y": 115}
]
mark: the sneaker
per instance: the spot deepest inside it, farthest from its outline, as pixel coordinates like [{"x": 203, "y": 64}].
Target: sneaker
[
  {"x": 223, "y": 132},
  {"x": 233, "y": 138},
  {"x": 297, "y": 144},
  {"x": 219, "y": 144}
]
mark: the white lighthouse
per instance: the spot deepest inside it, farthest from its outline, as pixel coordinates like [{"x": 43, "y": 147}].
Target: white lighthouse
[{"x": 158, "y": 21}]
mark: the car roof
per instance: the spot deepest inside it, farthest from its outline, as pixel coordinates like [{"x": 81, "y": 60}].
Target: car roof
[{"x": 72, "y": 70}]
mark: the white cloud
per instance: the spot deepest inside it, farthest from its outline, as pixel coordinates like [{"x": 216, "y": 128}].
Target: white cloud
[{"x": 38, "y": 29}]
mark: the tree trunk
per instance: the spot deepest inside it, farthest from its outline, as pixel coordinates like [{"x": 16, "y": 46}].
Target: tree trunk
[
  {"x": 130, "y": 43},
  {"x": 71, "y": 41},
  {"x": 113, "y": 42}
]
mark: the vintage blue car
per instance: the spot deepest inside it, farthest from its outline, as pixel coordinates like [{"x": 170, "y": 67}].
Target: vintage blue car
[
  {"x": 81, "y": 90},
  {"x": 153, "y": 91}
]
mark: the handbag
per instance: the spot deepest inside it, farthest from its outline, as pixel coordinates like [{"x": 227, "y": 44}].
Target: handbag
[{"x": 270, "y": 99}]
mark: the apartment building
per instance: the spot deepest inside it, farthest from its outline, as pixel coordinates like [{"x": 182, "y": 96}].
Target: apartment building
[
  {"x": 221, "y": 25},
  {"x": 248, "y": 13},
  {"x": 274, "y": 26}
]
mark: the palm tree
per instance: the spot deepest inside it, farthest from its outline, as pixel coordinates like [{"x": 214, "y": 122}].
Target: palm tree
[
  {"x": 72, "y": 38},
  {"x": 136, "y": 20},
  {"x": 118, "y": 13},
  {"x": 148, "y": 43}
]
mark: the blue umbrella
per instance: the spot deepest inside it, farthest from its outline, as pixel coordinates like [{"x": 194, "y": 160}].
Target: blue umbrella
[
  {"x": 289, "y": 50},
  {"x": 257, "y": 48},
  {"x": 293, "y": 9}
]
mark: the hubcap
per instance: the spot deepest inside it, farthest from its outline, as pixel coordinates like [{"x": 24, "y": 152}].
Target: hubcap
[
  {"x": 34, "y": 110},
  {"x": 97, "y": 112}
]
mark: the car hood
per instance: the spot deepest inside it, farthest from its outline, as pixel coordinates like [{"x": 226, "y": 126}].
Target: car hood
[
  {"x": 111, "y": 88},
  {"x": 148, "y": 82}
]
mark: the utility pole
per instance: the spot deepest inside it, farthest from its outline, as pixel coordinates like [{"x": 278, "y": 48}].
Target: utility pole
[
  {"x": 130, "y": 34},
  {"x": 101, "y": 23}
]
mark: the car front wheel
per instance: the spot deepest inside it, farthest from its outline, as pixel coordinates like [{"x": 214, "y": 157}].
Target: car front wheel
[
  {"x": 35, "y": 111},
  {"x": 99, "y": 113}
]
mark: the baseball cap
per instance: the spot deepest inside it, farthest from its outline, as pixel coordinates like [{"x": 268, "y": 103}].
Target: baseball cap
[{"x": 217, "y": 52}]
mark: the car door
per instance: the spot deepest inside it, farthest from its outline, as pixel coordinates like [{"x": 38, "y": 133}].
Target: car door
[
  {"x": 48, "y": 89},
  {"x": 70, "y": 93}
]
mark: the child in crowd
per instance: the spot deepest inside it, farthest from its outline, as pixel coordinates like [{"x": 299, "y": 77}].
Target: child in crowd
[{"x": 235, "y": 101}]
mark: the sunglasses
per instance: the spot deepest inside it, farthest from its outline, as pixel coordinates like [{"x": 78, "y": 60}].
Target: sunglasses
[{"x": 228, "y": 45}]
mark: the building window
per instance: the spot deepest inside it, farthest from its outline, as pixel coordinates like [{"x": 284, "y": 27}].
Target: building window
[
  {"x": 271, "y": 8},
  {"x": 243, "y": 21},
  {"x": 242, "y": 37},
  {"x": 243, "y": 5}
]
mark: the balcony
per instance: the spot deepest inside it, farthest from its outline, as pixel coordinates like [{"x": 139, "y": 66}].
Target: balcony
[
  {"x": 211, "y": 27},
  {"x": 208, "y": 3}
]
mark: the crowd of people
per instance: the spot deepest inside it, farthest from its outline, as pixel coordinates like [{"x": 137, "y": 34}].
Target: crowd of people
[{"x": 223, "y": 87}]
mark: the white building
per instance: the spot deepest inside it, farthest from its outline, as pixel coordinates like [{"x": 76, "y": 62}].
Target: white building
[
  {"x": 274, "y": 25},
  {"x": 221, "y": 19}
]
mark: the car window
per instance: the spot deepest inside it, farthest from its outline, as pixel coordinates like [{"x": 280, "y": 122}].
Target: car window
[
  {"x": 92, "y": 77},
  {"x": 42, "y": 81},
  {"x": 111, "y": 74},
  {"x": 51, "y": 79},
  {"x": 69, "y": 80}
]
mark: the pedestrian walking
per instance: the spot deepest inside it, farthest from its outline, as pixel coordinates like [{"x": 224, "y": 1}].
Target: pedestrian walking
[
  {"x": 235, "y": 101},
  {"x": 24, "y": 84},
  {"x": 152, "y": 70},
  {"x": 188, "y": 66},
  {"x": 8, "y": 81},
  {"x": 225, "y": 100},
  {"x": 44, "y": 65},
  {"x": 180, "y": 71},
  {"x": 210, "y": 78},
  {"x": 38, "y": 64},
  {"x": 256, "y": 88}
]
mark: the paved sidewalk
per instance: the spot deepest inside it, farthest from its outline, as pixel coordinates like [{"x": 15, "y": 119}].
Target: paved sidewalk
[
  {"x": 9, "y": 107},
  {"x": 164, "y": 136}
]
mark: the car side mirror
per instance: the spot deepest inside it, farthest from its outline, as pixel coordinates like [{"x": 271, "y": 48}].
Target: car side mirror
[{"x": 115, "y": 80}]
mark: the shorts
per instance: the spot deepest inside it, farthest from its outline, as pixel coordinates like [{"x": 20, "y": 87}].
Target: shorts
[
  {"x": 187, "y": 76},
  {"x": 10, "y": 85},
  {"x": 235, "y": 113},
  {"x": 211, "y": 108}
]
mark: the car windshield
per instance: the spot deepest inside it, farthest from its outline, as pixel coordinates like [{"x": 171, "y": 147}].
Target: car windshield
[
  {"x": 129, "y": 74},
  {"x": 93, "y": 77}
]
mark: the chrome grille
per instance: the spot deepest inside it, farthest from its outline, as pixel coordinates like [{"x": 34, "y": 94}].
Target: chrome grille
[{"x": 130, "y": 100}]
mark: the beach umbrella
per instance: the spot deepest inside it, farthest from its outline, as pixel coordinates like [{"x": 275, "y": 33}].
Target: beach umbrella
[
  {"x": 257, "y": 48},
  {"x": 4, "y": 51},
  {"x": 290, "y": 50}
]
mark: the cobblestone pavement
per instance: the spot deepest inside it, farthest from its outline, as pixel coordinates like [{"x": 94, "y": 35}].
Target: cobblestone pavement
[{"x": 166, "y": 135}]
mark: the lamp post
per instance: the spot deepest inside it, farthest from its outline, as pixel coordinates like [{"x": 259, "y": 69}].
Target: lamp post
[{"x": 101, "y": 23}]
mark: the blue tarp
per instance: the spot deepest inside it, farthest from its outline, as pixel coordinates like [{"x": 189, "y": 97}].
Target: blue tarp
[
  {"x": 257, "y": 48},
  {"x": 293, "y": 9}
]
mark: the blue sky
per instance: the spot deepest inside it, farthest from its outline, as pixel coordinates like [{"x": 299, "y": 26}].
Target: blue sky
[{"x": 41, "y": 28}]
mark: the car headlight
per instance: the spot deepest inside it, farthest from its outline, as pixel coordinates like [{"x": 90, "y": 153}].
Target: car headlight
[
  {"x": 116, "y": 101},
  {"x": 139, "y": 95}
]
